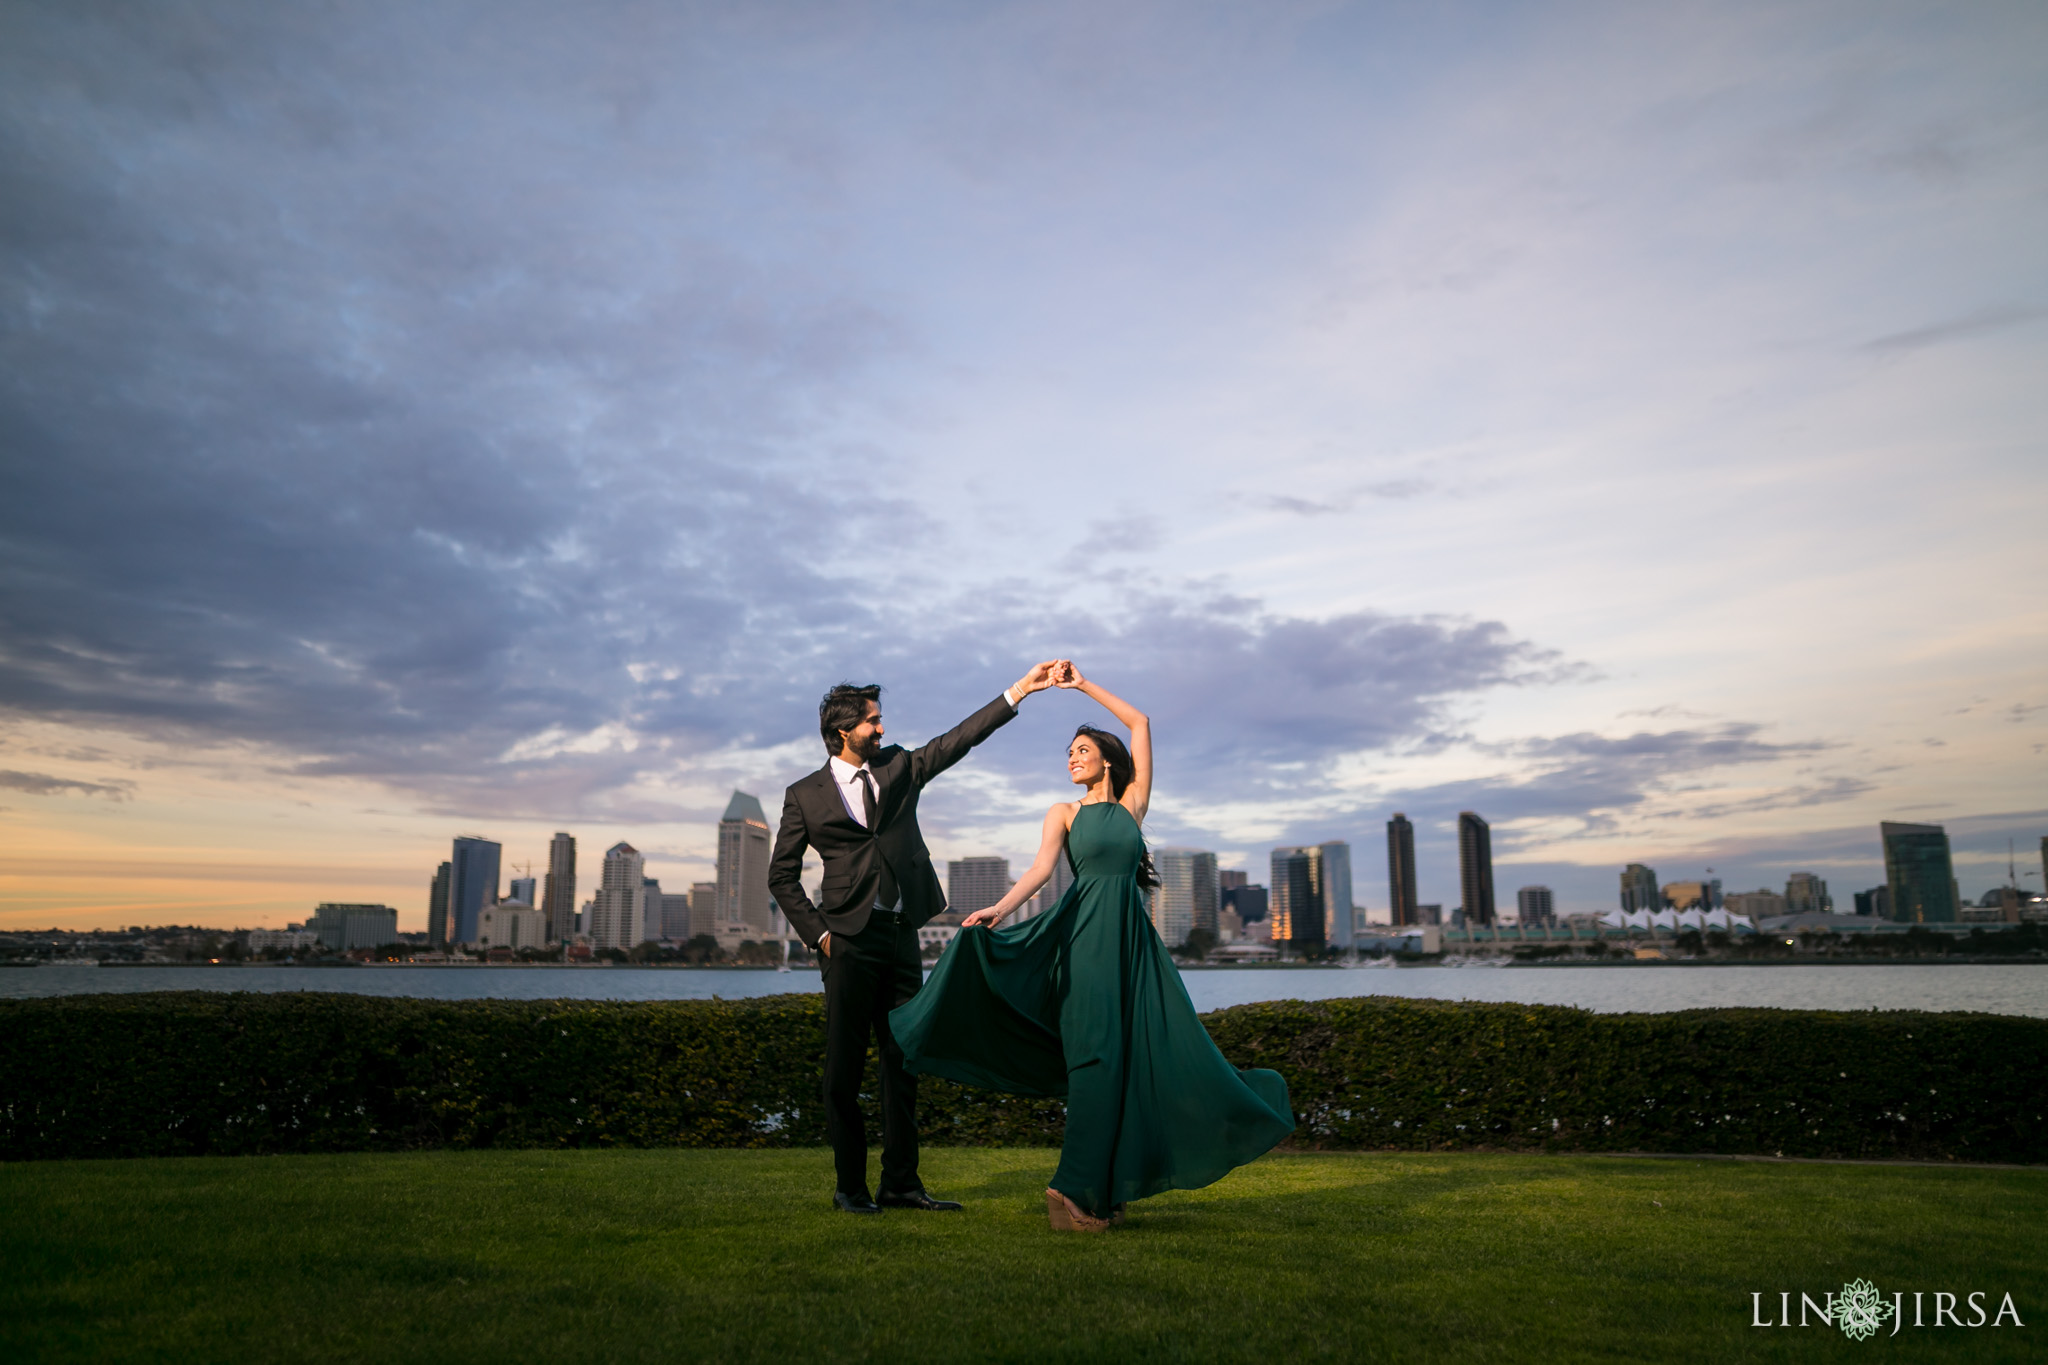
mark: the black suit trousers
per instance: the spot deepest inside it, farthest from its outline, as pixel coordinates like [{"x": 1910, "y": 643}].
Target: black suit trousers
[{"x": 866, "y": 975}]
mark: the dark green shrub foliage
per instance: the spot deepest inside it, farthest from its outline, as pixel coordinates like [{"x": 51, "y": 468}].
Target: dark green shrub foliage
[{"x": 200, "y": 1072}]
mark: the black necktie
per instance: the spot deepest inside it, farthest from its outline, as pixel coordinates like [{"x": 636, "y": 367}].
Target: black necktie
[{"x": 867, "y": 789}]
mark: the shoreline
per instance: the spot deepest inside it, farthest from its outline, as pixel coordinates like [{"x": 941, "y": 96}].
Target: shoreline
[{"x": 1462, "y": 964}]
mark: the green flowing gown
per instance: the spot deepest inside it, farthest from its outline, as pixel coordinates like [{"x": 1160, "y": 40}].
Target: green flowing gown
[{"x": 1085, "y": 1002}]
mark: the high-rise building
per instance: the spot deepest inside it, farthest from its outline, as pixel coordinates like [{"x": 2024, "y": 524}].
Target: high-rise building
[
  {"x": 1918, "y": 871},
  {"x": 743, "y": 849},
  {"x": 1807, "y": 894},
  {"x": 1230, "y": 878},
  {"x": 703, "y": 908},
  {"x": 1687, "y": 896},
  {"x": 617, "y": 912},
  {"x": 472, "y": 884},
  {"x": 1296, "y": 904},
  {"x": 437, "y": 907},
  {"x": 650, "y": 910},
  {"x": 975, "y": 884},
  {"x": 1877, "y": 902},
  {"x": 1401, "y": 869},
  {"x": 558, "y": 899},
  {"x": 1475, "y": 868},
  {"x": 1340, "y": 911},
  {"x": 521, "y": 890},
  {"x": 1762, "y": 903},
  {"x": 675, "y": 916},
  {"x": 1246, "y": 900},
  {"x": 1535, "y": 905},
  {"x": 1186, "y": 896},
  {"x": 1639, "y": 889},
  {"x": 1429, "y": 914}
]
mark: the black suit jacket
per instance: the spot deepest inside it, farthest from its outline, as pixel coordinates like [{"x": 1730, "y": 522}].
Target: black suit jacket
[{"x": 814, "y": 816}]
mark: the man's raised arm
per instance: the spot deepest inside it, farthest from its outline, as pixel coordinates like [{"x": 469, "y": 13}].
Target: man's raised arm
[{"x": 930, "y": 759}]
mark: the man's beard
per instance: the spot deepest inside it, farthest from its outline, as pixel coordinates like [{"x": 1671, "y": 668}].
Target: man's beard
[{"x": 869, "y": 748}]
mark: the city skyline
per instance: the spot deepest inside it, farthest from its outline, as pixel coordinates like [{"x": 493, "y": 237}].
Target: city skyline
[{"x": 462, "y": 459}]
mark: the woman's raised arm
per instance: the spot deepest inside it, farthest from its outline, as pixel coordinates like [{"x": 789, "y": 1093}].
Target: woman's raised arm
[
  {"x": 1137, "y": 797},
  {"x": 1052, "y": 844}
]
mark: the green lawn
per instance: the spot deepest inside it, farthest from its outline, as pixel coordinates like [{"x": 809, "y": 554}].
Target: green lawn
[{"x": 722, "y": 1255}]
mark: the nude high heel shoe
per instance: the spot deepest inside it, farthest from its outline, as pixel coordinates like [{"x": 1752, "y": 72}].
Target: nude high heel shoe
[{"x": 1066, "y": 1217}]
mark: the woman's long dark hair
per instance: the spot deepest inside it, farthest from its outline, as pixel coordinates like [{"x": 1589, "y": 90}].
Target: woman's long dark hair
[{"x": 1116, "y": 756}]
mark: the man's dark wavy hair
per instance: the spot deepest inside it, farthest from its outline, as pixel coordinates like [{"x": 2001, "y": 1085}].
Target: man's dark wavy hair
[
  {"x": 844, "y": 707},
  {"x": 1116, "y": 756}
]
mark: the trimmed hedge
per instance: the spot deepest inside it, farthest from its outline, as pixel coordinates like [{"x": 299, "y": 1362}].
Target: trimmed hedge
[{"x": 187, "y": 1073}]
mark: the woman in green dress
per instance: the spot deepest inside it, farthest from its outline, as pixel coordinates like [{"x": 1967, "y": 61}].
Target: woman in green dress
[{"x": 1084, "y": 1001}]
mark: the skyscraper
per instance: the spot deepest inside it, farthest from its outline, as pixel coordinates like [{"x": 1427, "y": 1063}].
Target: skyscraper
[
  {"x": 703, "y": 909},
  {"x": 1340, "y": 914},
  {"x": 650, "y": 911},
  {"x": 1475, "y": 867},
  {"x": 1535, "y": 905},
  {"x": 675, "y": 916},
  {"x": 1295, "y": 905},
  {"x": 618, "y": 910},
  {"x": 743, "y": 850},
  {"x": 522, "y": 890},
  {"x": 472, "y": 884},
  {"x": 558, "y": 899},
  {"x": 1639, "y": 889},
  {"x": 1401, "y": 869},
  {"x": 1806, "y": 894},
  {"x": 1186, "y": 897},
  {"x": 1918, "y": 871},
  {"x": 975, "y": 884},
  {"x": 437, "y": 908}
]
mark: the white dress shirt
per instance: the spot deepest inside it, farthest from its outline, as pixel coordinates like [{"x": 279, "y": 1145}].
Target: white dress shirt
[{"x": 848, "y": 778}]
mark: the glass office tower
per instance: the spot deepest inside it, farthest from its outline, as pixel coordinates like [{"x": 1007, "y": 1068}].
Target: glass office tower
[{"x": 1918, "y": 871}]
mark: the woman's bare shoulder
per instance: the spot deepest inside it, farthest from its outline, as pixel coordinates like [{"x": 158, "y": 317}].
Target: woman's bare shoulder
[{"x": 1063, "y": 811}]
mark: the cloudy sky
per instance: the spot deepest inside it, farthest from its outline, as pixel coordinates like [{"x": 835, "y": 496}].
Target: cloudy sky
[{"x": 421, "y": 418}]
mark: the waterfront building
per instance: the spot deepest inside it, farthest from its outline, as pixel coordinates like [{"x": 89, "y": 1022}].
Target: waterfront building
[
  {"x": 675, "y": 917},
  {"x": 1429, "y": 914},
  {"x": 1694, "y": 895},
  {"x": 1296, "y": 904},
  {"x": 650, "y": 910},
  {"x": 472, "y": 884},
  {"x": 1401, "y": 870},
  {"x": 558, "y": 895},
  {"x": 437, "y": 907},
  {"x": 616, "y": 913},
  {"x": 289, "y": 939},
  {"x": 1535, "y": 905},
  {"x": 1186, "y": 897},
  {"x": 1639, "y": 889},
  {"x": 1919, "y": 872},
  {"x": 522, "y": 891},
  {"x": 1876, "y": 902},
  {"x": 703, "y": 909},
  {"x": 1762, "y": 903},
  {"x": 512, "y": 925},
  {"x": 342, "y": 927},
  {"x": 976, "y": 883},
  {"x": 1475, "y": 868},
  {"x": 743, "y": 849},
  {"x": 1806, "y": 894},
  {"x": 1340, "y": 911}
]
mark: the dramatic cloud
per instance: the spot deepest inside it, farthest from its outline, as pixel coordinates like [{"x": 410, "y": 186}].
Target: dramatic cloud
[{"x": 528, "y": 412}]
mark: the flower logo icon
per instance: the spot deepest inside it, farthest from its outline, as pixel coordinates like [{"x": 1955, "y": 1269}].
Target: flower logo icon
[{"x": 1860, "y": 1310}]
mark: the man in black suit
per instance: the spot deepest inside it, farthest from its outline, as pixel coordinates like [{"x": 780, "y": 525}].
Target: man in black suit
[{"x": 859, "y": 812}]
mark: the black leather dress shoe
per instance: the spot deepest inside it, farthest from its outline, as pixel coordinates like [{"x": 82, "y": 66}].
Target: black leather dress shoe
[
  {"x": 853, "y": 1203},
  {"x": 917, "y": 1199}
]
